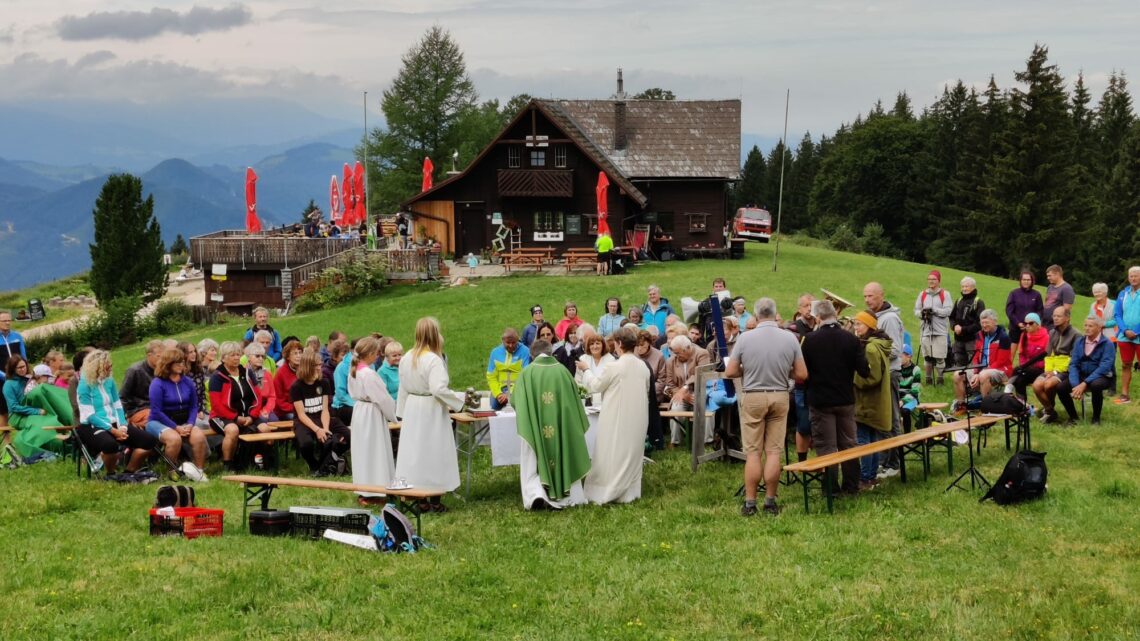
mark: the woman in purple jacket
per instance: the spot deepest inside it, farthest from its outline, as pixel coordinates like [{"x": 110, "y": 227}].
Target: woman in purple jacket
[
  {"x": 1020, "y": 302},
  {"x": 174, "y": 408}
]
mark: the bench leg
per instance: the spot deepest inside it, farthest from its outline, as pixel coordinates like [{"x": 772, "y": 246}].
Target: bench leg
[
  {"x": 827, "y": 483},
  {"x": 902, "y": 467},
  {"x": 254, "y": 493}
]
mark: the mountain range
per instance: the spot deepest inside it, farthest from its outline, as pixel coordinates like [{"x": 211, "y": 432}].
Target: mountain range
[
  {"x": 45, "y": 212},
  {"x": 190, "y": 155}
]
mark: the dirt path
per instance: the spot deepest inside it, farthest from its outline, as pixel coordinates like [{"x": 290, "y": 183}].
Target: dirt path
[{"x": 191, "y": 292}]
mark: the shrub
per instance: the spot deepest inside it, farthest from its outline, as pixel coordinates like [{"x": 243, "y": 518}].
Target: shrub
[
  {"x": 845, "y": 239},
  {"x": 337, "y": 285},
  {"x": 875, "y": 241},
  {"x": 171, "y": 317},
  {"x": 113, "y": 325}
]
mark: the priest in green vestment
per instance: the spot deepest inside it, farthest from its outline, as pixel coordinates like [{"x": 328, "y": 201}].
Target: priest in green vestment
[{"x": 552, "y": 425}]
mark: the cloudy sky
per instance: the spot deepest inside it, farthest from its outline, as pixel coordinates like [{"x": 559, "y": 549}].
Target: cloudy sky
[{"x": 837, "y": 56}]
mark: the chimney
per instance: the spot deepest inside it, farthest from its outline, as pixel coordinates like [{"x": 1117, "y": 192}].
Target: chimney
[{"x": 619, "y": 114}]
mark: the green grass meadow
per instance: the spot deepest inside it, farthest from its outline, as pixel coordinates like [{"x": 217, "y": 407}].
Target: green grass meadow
[{"x": 908, "y": 562}]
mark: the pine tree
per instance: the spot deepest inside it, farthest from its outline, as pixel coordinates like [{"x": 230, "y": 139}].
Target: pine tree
[
  {"x": 1113, "y": 122},
  {"x": 179, "y": 246},
  {"x": 902, "y": 107},
  {"x": 1091, "y": 259},
  {"x": 1122, "y": 216},
  {"x": 797, "y": 190},
  {"x": 126, "y": 258},
  {"x": 1032, "y": 180},
  {"x": 425, "y": 111},
  {"x": 750, "y": 189}
]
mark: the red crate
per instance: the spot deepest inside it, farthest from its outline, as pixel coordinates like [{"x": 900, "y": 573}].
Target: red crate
[{"x": 189, "y": 522}]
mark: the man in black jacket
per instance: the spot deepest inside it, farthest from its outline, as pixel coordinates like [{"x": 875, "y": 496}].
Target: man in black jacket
[
  {"x": 965, "y": 323},
  {"x": 832, "y": 356}
]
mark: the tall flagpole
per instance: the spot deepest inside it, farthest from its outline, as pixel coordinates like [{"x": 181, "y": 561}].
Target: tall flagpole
[
  {"x": 366, "y": 192},
  {"x": 783, "y": 155}
]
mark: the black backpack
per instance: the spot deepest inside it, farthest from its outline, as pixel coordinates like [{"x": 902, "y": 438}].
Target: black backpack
[
  {"x": 1023, "y": 479},
  {"x": 998, "y": 402}
]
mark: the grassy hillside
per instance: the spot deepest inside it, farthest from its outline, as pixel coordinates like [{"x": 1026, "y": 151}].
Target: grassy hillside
[
  {"x": 902, "y": 562},
  {"x": 473, "y": 317}
]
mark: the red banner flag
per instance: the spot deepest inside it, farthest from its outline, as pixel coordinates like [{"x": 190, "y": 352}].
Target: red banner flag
[
  {"x": 252, "y": 223},
  {"x": 603, "y": 205},
  {"x": 428, "y": 169},
  {"x": 358, "y": 214},
  {"x": 349, "y": 199},
  {"x": 336, "y": 214}
]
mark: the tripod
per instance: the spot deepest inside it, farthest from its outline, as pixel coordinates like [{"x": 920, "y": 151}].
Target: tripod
[{"x": 976, "y": 477}]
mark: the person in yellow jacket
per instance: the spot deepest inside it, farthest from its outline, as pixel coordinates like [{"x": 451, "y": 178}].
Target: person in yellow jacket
[{"x": 504, "y": 367}]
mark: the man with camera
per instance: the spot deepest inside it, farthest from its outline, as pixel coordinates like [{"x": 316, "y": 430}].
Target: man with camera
[{"x": 933, "y": 307}]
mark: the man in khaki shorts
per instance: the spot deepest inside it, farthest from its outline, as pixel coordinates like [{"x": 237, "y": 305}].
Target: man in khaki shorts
[{"x": 766, "y": 358}]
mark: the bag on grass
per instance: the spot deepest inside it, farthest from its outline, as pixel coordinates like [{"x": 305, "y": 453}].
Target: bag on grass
[
  {"x": 998, "y": 402},
  {"x": 175, "y": 496},
  {"x": 395, "y": 533},
  {"x": 1023, "y": 479}
]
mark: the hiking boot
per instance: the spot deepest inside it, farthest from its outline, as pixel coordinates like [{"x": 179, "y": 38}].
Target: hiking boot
[
  {"x": 867, "y": 486},
  {"x": 748, "y": 510},
  {"x": 887, "y": 472},
  {"x": 1122, "y": 400},
  {"x": 772, "y": 509}
]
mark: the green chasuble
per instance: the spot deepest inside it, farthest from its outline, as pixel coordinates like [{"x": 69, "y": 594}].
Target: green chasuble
[{"x": 551, "y": 419}]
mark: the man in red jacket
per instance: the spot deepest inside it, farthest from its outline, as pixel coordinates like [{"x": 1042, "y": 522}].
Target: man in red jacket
[{"x": 992, "y": 364}]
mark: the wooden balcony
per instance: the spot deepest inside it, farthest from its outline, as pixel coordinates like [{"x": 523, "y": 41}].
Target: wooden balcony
[
  {"x": 242, "y": 250},
  {"x": 536, "y": 182}
]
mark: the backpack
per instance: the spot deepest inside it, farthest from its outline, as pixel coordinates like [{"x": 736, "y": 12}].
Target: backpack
[
  {"x": 998, "y": 402},
  {"x": 395, "y": 533},
  {"x": 1023, "y": 479},
  {"x": 175, "y": 496}
]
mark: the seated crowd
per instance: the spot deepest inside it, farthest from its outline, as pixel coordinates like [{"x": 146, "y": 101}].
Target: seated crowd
[{"x": 833, "y": 388}]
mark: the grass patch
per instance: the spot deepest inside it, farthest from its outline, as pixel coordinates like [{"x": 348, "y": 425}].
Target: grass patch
[{"x": 903, "y": 562}]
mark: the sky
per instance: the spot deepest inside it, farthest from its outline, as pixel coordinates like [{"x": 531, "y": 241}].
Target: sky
[{"x": 836, "y": 57}]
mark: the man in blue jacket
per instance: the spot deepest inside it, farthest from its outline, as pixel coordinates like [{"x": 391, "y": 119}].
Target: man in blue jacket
[
  {"x": 11, "y": 343},
  {"x": 260, "y": 322},
  {"x": 1091, "y": 369},
  {"x": 1127, "y": 317},
  {"x": 656, "y": 310}
]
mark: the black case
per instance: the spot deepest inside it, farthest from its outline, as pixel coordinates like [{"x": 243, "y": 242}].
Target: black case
[{"x": 270, "y": 523}]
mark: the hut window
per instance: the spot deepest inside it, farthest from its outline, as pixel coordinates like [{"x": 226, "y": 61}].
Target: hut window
[
  {"x": 560, "y": 156},
  {"x": 514, "y": 157},
  {"x": 538, "y": 158},
  {"x": 273, "y": 280}
]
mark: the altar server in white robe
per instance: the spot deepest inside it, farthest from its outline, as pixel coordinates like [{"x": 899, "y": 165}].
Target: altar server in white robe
[
  {"x": 427, "y": 457},
  {"x": 372, "y": 462},
  {"x": 615, "y": 472}
]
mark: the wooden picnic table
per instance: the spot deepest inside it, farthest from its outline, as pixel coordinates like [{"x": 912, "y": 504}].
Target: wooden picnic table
[{"x": 536, "y": 257}]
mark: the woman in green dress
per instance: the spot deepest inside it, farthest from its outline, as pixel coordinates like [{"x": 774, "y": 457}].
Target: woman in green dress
[{"x": 32, "y": 410}]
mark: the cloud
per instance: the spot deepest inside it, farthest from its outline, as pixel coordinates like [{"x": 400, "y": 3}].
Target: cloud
[
  {"x": 95, "y": 58},
  {"x": 8, "y": 35},
  {"x": 142, "y": 25},
  {"x": 101, "y": 75}
]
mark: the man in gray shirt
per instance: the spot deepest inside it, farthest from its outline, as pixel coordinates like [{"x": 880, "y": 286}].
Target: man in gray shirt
[{"x": 766, "y": 358}]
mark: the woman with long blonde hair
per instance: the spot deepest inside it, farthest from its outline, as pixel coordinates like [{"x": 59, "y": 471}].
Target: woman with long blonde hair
[
  {"x": 427, "y": 456},
  {"x": 372, "y": 410}
]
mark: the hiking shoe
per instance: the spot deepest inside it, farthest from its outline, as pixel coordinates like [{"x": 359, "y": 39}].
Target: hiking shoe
[
  {"x": 867, "y": 486},
  {"x": 1122, "y": 400},
  {"x": 887, "y": 472},
  {"x": 772, "y": 508},
  {"x": 748, "y": 510},
  {"x": 1096, "y": 421}
]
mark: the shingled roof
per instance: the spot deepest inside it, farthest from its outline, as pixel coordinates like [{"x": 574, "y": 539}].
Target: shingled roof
[{"x": 666, "y": 138}]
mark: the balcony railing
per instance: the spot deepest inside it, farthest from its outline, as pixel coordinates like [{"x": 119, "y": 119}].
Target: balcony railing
[
  {"x": 243, "y": 250},
  {"x": 536, "y": 182},
  {"x": 400, "y": 264}
]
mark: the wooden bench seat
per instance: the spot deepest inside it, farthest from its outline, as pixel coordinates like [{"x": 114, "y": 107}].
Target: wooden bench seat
[
  {"x": 259, "y": 489},
  {"x": 819, "y": 468}
]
